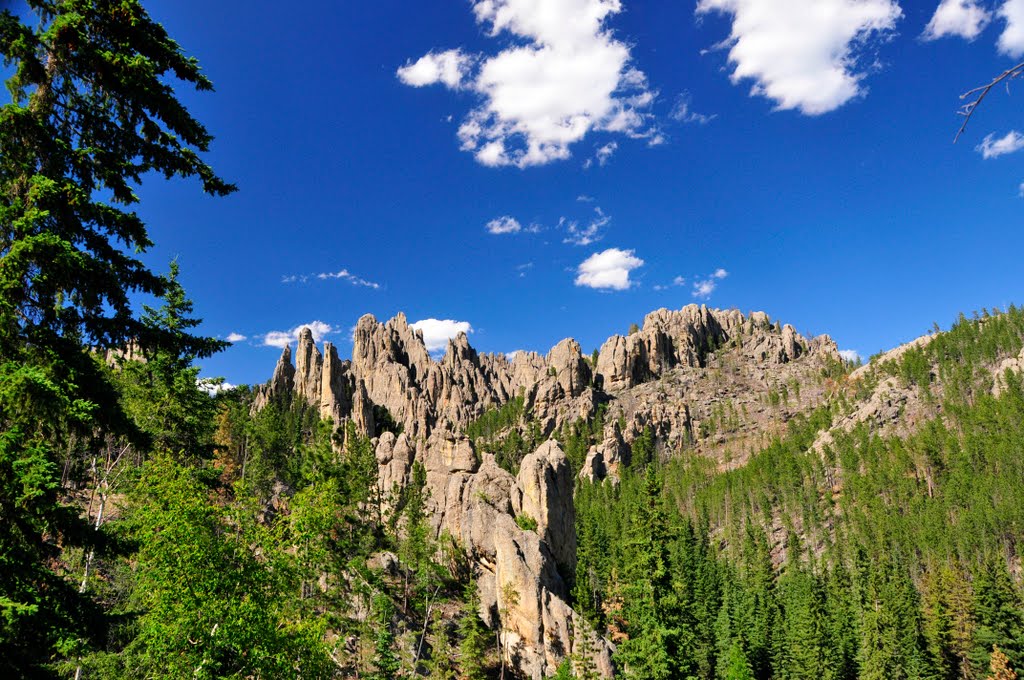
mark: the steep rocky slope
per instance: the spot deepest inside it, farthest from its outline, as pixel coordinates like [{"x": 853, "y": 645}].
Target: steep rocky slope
[{"x": 711, "y": 382}]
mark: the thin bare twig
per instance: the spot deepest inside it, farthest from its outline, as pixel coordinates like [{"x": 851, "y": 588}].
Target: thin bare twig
[{"x": 967, "y": 110}]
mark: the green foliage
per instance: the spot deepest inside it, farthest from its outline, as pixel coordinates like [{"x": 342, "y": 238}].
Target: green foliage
[
  {"x": 497, "y": 431},
  {"x": 642, "y": 450},
  {"x": 526, "y": 523},
  {"x": 159, "y": 388},
  {"x": 211, "y": 594},
  {"x": 385, "y": 662},
  {"x": 92, "y": 112},
  {"x": 474, "y": 638}
]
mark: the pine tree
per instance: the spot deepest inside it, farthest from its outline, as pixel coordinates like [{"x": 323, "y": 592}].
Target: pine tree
[
  {"x": 999, "y": 614},
  {"x": 473, "y": 646},
  {"x": 159, "y": 389},
  {"x": 386, "y": 663},
  {"x": 92, "y": 112},
  {"x": 659, "y": 642}
]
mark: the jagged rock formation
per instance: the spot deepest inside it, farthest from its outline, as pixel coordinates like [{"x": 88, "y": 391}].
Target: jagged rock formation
[
  {"x": 674, "y": 376},
  {"x": 1012, "y": 365},
  {"x": 522, "y": 588}
]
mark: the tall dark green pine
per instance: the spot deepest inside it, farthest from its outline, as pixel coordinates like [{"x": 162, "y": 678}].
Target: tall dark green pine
[
  {"x": 659, "y": 643},
  {"x": 474, "y": 638},
  {"x": 803, "y": 649},
  {"x": 92, "y": 112},
  {"x": 385, "y": 662},
  {"x": 756, "y": 610},
  {"x": 159, "y": 387},
  {"x": 999, "y": 615},
  {"x": 841, "y": 620}
]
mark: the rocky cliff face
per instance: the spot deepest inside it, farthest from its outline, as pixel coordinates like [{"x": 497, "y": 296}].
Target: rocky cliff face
[{"x": 696, "y": 378}]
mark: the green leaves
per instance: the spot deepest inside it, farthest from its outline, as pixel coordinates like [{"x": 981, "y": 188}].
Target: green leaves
[{"x": 211, "y": 588}]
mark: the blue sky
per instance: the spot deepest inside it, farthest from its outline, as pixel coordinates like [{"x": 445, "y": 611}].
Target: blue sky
[{"x": 826, "y": 184}]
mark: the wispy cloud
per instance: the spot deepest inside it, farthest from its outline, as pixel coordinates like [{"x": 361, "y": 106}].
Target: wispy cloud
[
  {"x": 342, "y": 275},
  {"x": 609, "y": 269},
  {"x": 603, "y": 154},
  {"x": 991, "y": 147},
  {"x": 704, "y": 287},
  {"x": 450, "y": 68},
  {"x": 504, "y": 225},
  {"x": 437, "y": 332},
  {"x": 676, "y": 282},
  {"x": 280, "y": 339},
  {"x": 850, "y": 355},
  {"x": 683, "y": 111},
  {"x": 236, "y": 337},
  {"x": 523, "y": 268},
  {"x": 803, "y": 54},
  {"x": 586, "y": 233},
  {"x": 214, "y": 386},
  {"x": 561, "y": 76}
]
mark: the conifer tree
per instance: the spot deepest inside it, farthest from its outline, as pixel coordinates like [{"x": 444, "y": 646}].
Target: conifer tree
[
  {"x": 999, "y": 614},
  {"x": 92, "y": 112},
  {"x": 386, "y": 663},
  {"x": 659, "y": 644},
  {"x": 473, "y": 645}
]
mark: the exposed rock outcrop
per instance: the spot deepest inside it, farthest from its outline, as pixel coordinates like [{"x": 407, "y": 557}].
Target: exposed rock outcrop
[
  {"x": 523, "y": 592},
  {"x": 545, "y": 483},
  {"x": 1011, "y": 365},
  {"x": 686, "y": 337}
]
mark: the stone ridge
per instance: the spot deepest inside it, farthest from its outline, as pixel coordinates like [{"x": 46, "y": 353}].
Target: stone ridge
[{"x": 391, "y": 372}]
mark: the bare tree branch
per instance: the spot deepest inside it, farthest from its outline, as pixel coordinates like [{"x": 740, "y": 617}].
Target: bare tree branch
[{"x": 979, "y": 94}]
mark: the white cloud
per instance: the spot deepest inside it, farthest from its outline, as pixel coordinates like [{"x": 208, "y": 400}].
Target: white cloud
[
  {"x": 504, "y": 225},
  {"x": 563, "y": 76},
  {"x": 214, "y": 386},
  {"x": 523, "y": 268},
  {"x": 602, "y": 155},
  {"x": 236, "y": 337},
  {"x": 704, "y": 289},
  {"x": 342, "y": 274},
  {"x": 963, "y": 18},
  {"x": 850, "y": 355},
  {"x": 449, "y": 67},
  {"x": 801, "y": 54},
  {"x": 283, "y": 338},
  {"x": 677, "y": 281},
  {"x": 1011, "y": 41},
  {"x": 608, "y": 269},
  {"x": 437, "y": 332},
  {"x": 720, "y": 273},
  {"x": 684, "y": 113},
  {"x": 991, "y": 147},
  {"x": 584, "y": 235}
]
